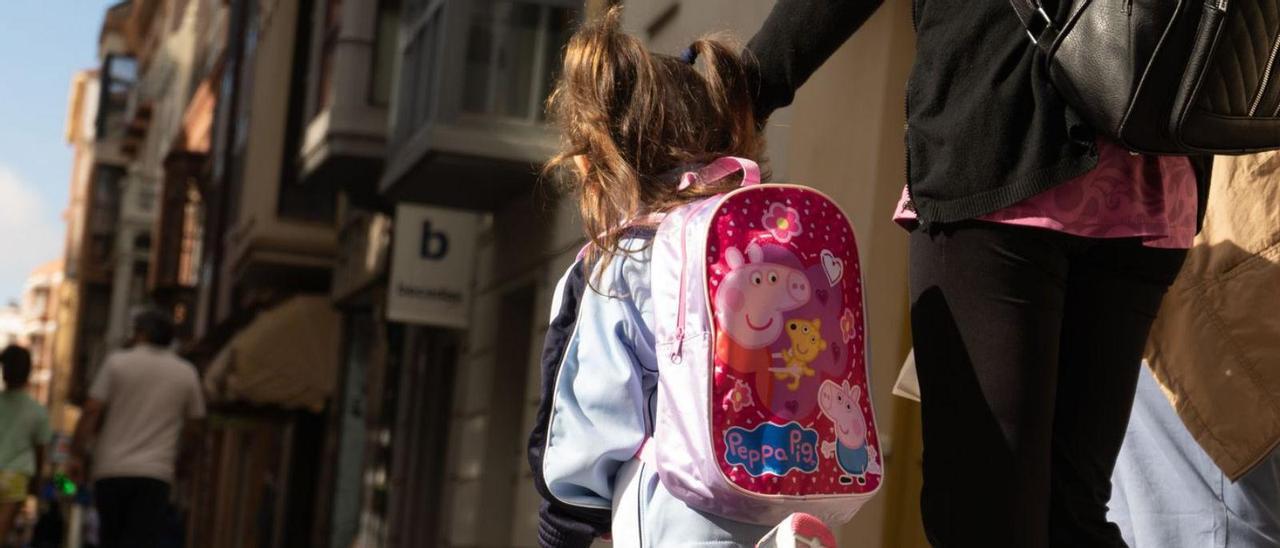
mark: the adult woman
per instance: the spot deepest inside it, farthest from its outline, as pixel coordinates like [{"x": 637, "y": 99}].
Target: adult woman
[{"x": 1038, "y": 261}]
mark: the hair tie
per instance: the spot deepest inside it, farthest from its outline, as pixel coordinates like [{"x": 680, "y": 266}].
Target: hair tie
[{"x": 689, "y": 55}]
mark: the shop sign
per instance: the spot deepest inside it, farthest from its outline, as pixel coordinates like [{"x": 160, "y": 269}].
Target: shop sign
[{"x": 432, "y": 266}]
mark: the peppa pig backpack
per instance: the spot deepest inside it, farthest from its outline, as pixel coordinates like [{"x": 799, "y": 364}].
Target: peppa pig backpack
[{"x": 763, "y": 404}]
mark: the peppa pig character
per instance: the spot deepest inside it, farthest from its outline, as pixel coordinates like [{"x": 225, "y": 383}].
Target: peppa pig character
[
  {"x": 806, "y": 344},
  {"x": 749, "y": 304},
  {"x": 839, "y": 402}
]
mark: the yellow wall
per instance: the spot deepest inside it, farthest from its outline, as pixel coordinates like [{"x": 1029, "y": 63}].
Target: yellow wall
[{"x": 846, "y": 138}]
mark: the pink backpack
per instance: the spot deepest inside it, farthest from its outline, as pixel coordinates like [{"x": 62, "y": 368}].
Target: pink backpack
[{"x": 763, "y": 405}]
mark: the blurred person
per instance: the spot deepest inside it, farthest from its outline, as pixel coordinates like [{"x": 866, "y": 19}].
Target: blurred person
[
  {"x": 24, "y": 433},
  {"x": 1199, "y": 466},
  {"x": 136, "y": 413}
]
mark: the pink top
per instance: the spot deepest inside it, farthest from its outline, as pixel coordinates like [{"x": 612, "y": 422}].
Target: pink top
[{"x": 1126, "y": 196}]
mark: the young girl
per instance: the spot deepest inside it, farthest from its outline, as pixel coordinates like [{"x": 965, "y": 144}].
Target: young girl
[{"x": 633, "y": 122}]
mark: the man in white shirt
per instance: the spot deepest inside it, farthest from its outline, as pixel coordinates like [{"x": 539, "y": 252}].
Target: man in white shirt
[{"x": 138, "y": 406}]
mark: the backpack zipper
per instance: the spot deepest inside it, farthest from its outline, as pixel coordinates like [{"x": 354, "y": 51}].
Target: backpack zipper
[
  {"x": 677, "y": 355},
  {"x": 1266, "y": 75}
]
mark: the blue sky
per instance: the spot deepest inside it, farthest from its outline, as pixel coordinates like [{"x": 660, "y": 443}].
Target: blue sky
[{"x": 42, "y": 44}]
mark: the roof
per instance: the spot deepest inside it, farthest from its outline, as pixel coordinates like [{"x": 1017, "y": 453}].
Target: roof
[{"x": 49, "y": 268}]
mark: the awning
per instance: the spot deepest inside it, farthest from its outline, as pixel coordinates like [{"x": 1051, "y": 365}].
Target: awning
[{"x": 286, "y": 357}]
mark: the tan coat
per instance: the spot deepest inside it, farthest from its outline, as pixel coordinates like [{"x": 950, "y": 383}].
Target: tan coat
[{"x": 1216, "y": 344}]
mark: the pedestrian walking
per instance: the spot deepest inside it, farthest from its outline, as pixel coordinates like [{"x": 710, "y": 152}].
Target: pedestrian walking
[
  {"x": 24, "y": 435},
  {"x": 139, "y": 406},
  {"x": 1040, "y": 251},
  {"x": 644, "y": 135}
]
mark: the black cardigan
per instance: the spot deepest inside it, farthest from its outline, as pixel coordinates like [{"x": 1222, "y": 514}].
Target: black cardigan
[{"x": 985, "y": 127}]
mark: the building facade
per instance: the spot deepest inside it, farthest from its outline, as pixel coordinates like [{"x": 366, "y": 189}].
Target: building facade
[
  {"x": 98, "y": 175},
  {"x": 11, "y": 324},
  {"x": 40, "y": 326}
]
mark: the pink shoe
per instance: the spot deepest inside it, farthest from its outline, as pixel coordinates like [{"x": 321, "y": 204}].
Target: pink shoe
[{"x": 799, "y": 531}]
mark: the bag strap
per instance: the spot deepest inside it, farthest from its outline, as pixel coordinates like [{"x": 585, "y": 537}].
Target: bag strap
[
  {"x": 1039, "y": 26},
  {"x": 721, "y": 168},
  {"x": 645, "y": 453}
]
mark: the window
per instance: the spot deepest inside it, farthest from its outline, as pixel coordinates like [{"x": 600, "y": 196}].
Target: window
[
  {"x": 40, "y": 306},
  {"x": 119, "y": 74},
  {"x": 192, "y": 238},
  {"x": 37, "y": 353},
  {"x": 419, "y": 44},
  {"x": 384, "y": 52},
  {"x": 328, "y": 45},
  {"x": 243, "y": 84},
  {"x": 513, "y": 52},
  {"x": 307, "y": 203},
  {"x": 104, "y": 212},
  {"x": 145, "y": 198},
  {"x": 505, "y": 57}
]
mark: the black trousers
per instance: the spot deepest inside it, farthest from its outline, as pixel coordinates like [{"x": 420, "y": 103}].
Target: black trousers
[
  {"x": 131, "y": 511},
  {"x": 1028, "y": 344}
]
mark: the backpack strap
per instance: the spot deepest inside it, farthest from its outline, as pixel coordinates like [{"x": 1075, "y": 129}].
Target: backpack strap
[
  {"x": 721, "y": 168},
  {"x": 1039, "y": 25},
  {"x": 645, "y": 453}
]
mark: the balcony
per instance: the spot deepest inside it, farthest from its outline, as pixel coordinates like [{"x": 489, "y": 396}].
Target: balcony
[
  {"x": 179, "y": 221},
  {"x": 119, "y": 77},
  {"x": 468, "y": 126},
  {"x": 280, "y": 233},
  {"x": 102, "y": 218},
  {"x": 345, "y": 138}
]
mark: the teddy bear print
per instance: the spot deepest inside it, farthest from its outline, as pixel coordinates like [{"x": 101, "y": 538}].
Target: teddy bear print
[{"x": 806, "y": 345}]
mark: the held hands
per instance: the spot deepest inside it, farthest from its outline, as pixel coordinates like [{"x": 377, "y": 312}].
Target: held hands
[{"x": 76, "y": 470}]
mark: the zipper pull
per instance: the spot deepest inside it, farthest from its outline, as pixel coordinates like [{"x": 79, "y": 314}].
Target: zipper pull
[{"x": 678, "y": 355}]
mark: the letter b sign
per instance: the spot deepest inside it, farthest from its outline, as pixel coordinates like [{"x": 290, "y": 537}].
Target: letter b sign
[{"x": 435, "y": 245}]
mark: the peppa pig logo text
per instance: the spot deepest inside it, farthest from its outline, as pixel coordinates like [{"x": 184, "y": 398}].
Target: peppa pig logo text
[{"x": 772, "y": 448}]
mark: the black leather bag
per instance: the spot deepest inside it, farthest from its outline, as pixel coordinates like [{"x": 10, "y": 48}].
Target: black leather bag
[{"x": 1167, "y": 76}]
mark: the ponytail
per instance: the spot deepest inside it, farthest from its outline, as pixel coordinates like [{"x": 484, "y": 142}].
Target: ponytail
[{"x": 635, "y": 117}]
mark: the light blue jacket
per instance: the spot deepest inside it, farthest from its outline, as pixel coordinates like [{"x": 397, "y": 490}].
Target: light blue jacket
[{"x": 598, "y": 406}]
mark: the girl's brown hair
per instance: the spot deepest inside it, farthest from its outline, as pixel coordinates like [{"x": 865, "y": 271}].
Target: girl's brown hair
[{"x": 637, "y": 118}]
